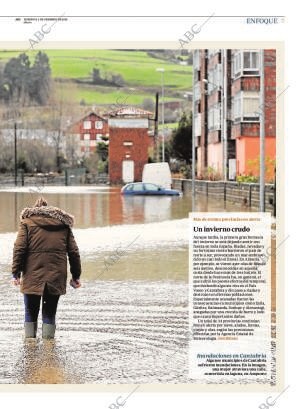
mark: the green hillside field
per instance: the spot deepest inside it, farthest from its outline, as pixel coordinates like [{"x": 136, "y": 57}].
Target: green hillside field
[{"x": 137, "y": 68}]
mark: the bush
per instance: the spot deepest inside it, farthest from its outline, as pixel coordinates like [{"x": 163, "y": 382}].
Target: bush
[
  {"x": 186, "y": 171},
  {"x": 246, "y": 179},
  {"x": 210, "y": 173},
  {"x": 103, "y": 166}
]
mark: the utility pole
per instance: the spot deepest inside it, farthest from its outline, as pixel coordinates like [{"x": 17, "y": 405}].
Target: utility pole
[
  {"x": 224, "y": 112},
  {"x": 162, "y": 71},
  {"x": 262, "y": 135},
  {"x": 16, "y": 154},
  {"x": 193, "y": 137},
  {"x": 156, "y": 142}
]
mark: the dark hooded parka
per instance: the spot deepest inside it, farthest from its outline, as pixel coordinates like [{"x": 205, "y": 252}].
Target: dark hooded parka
[{"x": 43, "y": 242}]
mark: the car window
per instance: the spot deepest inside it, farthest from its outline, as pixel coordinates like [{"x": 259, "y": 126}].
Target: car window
[
  {"x": 129, "y": 187},
  {"x": 150, "y": 186},
  {"x": 138, "y": 187}
]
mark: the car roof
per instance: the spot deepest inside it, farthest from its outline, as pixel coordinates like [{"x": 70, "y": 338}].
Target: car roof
[{"x": 143, "y": 183}]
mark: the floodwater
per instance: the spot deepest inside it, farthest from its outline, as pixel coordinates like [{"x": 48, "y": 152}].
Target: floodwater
[{"x": 128, "y": 323}]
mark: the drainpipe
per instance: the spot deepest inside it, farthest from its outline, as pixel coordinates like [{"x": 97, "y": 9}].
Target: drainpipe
[
  {"x": 225, "y": 144},
  {"x": 262, "y": 136}
]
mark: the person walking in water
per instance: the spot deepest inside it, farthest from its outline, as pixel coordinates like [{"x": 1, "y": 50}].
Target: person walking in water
[{"x": 40, "y": 252}]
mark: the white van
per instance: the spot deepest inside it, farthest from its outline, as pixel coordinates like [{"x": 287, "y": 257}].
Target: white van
[{"x": 158, "y": 173}]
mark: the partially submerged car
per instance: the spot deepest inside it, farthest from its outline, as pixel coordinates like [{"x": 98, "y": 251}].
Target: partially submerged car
[{"x": 147, "y": 189}]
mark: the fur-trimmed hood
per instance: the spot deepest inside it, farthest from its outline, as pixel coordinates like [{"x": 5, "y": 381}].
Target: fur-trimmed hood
[{"x": 48, "y": 212}]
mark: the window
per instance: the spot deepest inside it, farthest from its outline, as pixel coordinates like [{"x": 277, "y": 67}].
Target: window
[
  {"x": 251, "y": 61},
  {"x": 138, "y": 187},
  {"x": 251, "y": 106},
  {"x": 99, "y": 124},
  {"x": 99, "y": 136},
  {"x": 87, "y": 124},
  {"x": 246, "y": 106},
  {"x": 237, "y": 106},
  {"x": 86, "y": 136},
  {"x": 214, "y": 78},
  {"x": 196, "y": 59},
  {"x": 237, "y": 64},
  {"x": 197, "y": 125},
  {"x": 214, "y": 117},
  {"x": 213, "y": 51},
  {"x": 245, "y": 63},
  {"x": 127, "y": 143},
  {"x": 150, "y": 186}
]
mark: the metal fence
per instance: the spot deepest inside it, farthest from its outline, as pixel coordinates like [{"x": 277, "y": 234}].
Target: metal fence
[{"x": 71, "y": 177}]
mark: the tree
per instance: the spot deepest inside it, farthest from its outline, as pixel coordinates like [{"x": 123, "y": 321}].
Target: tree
[
  {"x": 40, "y": 79},
  {"x": 92, "y": 163},
  {"x": 102, "y": 150},
  {"x": 22, "y": 83},
  {"x": 33, "y": 155},
  {"x": 96, "y": 76},
  {"x": 4, "y": 89},
  {"x": 181, "y": 142},
  {"x": 36, "y": 155},
  {"x": 16, "y": 78},
  {"x": 6, "y": 155},
  {"x": 148, "y": 104}
]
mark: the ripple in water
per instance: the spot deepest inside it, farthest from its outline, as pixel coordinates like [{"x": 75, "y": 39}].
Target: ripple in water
[{"x": 107, "y": 332}]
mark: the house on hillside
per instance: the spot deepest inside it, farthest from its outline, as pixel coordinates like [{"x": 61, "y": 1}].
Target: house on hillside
[{"x": 88, "y": 131}]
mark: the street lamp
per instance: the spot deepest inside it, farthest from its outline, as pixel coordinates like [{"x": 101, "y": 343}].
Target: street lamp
[{"x": 162, "y": 71}]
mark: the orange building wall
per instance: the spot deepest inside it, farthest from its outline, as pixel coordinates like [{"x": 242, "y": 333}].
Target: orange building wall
[{"x": 247, "y": 151}]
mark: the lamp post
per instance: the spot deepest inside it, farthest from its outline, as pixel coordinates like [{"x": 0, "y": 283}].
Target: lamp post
[{"x": 162, "y": 71}]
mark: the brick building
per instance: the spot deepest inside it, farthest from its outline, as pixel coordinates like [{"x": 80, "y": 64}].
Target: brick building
[
  {"x": 227, "y": 111},
  {"x": 129, "y": 143}
]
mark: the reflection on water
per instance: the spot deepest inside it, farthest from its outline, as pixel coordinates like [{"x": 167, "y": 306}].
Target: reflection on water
[
  {"x": 108, "y": 332},
  {"x": 129, "y": 321},
  {"x": 97, "y": 207},
  {"x": 41, "y": 362}
]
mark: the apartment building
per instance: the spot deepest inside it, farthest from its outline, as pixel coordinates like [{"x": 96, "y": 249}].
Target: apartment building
[{"x": 228, "y": 111}]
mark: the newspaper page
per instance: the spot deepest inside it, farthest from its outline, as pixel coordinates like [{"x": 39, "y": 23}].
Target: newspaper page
[
  {"x": 141, "y": 231},
  {"x": 230, "y": 296}
]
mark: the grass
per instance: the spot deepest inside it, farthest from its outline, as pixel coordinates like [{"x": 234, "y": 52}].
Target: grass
[
  {"x": 136, "y": 67},
  {"x": 171, "y": 125},
  {"x": 92, "y": 94}
]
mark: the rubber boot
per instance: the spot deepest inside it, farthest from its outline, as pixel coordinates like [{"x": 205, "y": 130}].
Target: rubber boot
[
  {"x": 48, "y": 331},
  {"x": 30, "y": 329}
]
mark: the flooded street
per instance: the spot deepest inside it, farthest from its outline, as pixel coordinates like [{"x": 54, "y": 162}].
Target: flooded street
[
  {"x": 109, "y": 332},
  {"x": 128, "y": 323}
]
